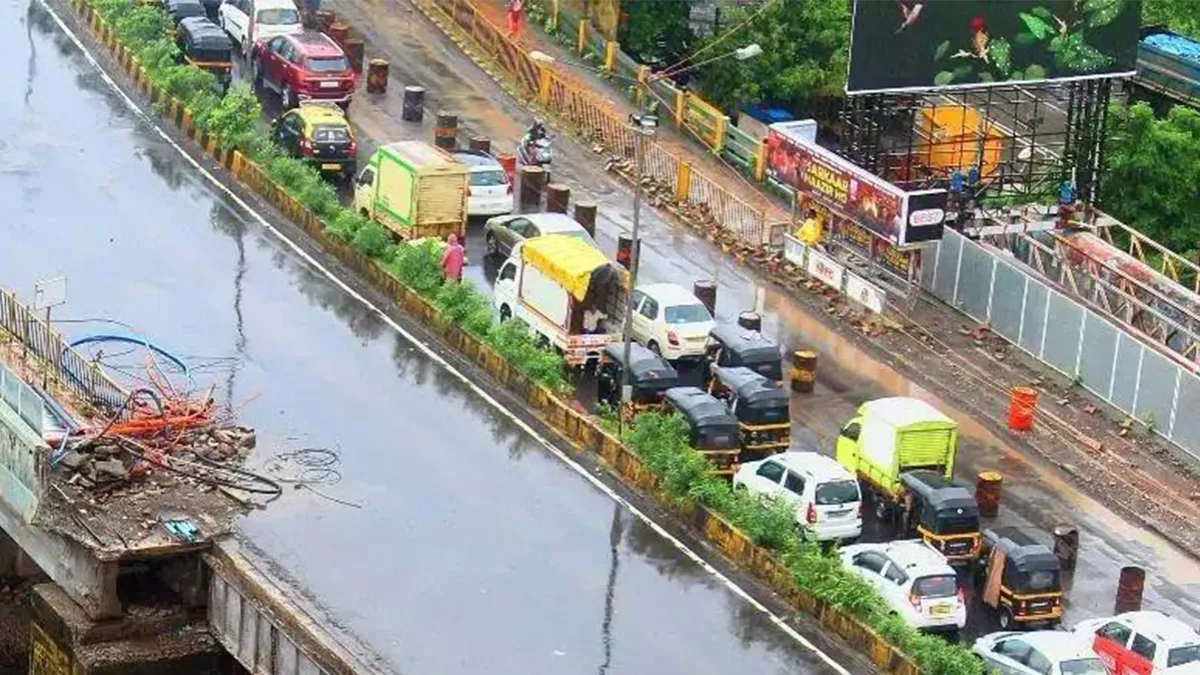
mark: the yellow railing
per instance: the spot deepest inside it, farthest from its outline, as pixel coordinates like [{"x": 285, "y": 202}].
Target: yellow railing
[{"x": 594, "y": 118}]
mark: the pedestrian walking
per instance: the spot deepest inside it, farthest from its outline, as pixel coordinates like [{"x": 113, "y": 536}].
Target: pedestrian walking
[
  {"x": 516, "y": 16},
  {"x": 453, "y": 259}
]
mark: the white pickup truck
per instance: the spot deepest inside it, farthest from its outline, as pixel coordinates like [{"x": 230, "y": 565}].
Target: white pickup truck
[{"x": 566, "y": 291}]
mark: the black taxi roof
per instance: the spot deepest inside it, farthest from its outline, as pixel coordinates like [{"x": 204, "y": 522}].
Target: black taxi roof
[
  {"x": 935, "y": 490},
  {"x": 751, "y": 387},
  {"x": 1022, "y": 549},
  {"x": 699, "y": 408},
  {"x": 751, "y": 344},
  {"x": 645, "y": 362},
  {"x": 205, "y": 34}
]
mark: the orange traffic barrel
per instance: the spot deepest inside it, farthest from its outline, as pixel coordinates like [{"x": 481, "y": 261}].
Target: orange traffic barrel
[
  {"x": 988, "y": 487},
  {"x": 1021, "y": 408},
  {"x": 1130, "y": 584}
]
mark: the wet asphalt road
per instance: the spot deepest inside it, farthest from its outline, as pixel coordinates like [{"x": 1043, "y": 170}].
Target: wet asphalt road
[
  {"x": 1035, "y": 493},
  {"x": 474, "y": 549}
]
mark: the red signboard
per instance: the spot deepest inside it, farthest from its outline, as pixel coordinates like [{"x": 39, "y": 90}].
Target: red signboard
[{"x": 894, "y": 215}]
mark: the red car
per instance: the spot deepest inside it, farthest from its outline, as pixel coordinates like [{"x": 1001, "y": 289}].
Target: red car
[{"x": 303, "y": 67}]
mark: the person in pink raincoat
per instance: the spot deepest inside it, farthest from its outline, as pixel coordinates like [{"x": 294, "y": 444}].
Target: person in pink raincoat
[
  {"x": 453, "y": 259},
  {"x": 516, "y": 15}
]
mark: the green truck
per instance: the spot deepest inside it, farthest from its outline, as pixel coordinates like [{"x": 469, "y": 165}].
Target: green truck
[
  {"x": 891, "y": 436},
  {"x": 415, "y": 190}
]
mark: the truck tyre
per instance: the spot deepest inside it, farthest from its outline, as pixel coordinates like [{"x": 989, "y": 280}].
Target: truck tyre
[
  {"x": 653, "y": 346},
  {"x": 1006, "y": 618},
  {"x": 364, "y": 213},
  {"x": 505, "y": 313}
]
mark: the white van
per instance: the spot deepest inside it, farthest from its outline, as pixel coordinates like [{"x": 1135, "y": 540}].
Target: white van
[
  {"x": 827, "y": 500},
  {"x": 248, "y": 21}
]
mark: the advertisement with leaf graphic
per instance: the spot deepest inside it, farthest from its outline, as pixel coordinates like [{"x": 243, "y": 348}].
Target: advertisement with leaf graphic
[{"x": 914, "y": 45}]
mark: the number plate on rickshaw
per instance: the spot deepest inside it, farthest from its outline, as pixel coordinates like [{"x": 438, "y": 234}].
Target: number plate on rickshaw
[{"x": 330, "y": 167}]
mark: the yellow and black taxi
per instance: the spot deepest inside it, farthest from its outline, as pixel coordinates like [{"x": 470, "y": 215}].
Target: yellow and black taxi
[
  {"x": 1019, "y": 577},
  {"x": 318, "y": 131},
  {"x": 203, "y": 44},
  {"x": 943, "y": 513}
]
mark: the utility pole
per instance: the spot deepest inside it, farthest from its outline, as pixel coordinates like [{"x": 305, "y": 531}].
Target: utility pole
[{"x": 642, "y": 132}]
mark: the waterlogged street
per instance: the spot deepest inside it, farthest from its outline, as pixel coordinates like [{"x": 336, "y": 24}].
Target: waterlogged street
[{"x": 464, "y": 546}]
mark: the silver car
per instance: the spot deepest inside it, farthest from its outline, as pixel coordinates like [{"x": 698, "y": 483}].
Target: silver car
[
  {"x": 503, "y": 232},
  {"x": 1039, "y": 652}
]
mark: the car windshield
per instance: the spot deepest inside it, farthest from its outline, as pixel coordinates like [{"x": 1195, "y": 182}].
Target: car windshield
[
  {"x": 1181, "y": 655},
  {"x": 330, "y": 64},
  {"x": 841, "y": 492},
  {"x": 579, "y": 234},
  {"x": 330, "y": 134},
  {"x": 488, "y": 178},
  {"x": 687, "y": 314},
  {"x": 1089, "y": 666},
  {"x": 278, "y": 17},
  {"x": 940, "y": 586}
]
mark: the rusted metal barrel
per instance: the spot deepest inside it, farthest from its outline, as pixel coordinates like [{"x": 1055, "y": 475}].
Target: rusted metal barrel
[
  {"x": 804, "y": 371},
  {"x": 1066, "y": 545},
  {"x": 750, "y": 320},
  {"x": 354, "y": 54},
  {"x": 558, "y": 196},
  {"x": 533, "y": 182},
  {"x": 325, "y": 19},
  {"x": 445, "y": 134},
  {"x": 585, "y": 215},
  {"x": 414, "y": 104},
  {"x": 988, "y": 488},
  {"x": 1129, "y": 589},
  {"x": 625, "y": 251},
  {"x": 1021, "y": 408},
  {"x": 509, "y": 164},
  {"x": 481, "y": 144},
  {"x": 705, "y": 291},
  {"x": 339, "y": 32},
  {"x": 377, "y": 76}
]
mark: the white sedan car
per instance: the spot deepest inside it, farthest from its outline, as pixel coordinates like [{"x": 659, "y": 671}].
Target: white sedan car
[
  {"x": 915, "y": 580},
  {"x": 1039, "y": 652},
  {"x": 670, "y": 321}
]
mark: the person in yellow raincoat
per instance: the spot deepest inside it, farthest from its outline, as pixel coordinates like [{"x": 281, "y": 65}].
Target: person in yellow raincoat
[{"x": 811, "y": 229}]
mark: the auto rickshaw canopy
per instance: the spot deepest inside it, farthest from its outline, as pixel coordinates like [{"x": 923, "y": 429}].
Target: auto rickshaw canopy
[
  {"x": 573, "y": 263},
  {"x": 649, "y": 370},
  {"x": 749, "y": 348},
  {"x": 700, "y": 408},
  {"x": 204, "y": 41},
  {"x": 758, "y": 400},
  {"x": 940, "y": 494},
  {"x": 1023, "y": 551}
]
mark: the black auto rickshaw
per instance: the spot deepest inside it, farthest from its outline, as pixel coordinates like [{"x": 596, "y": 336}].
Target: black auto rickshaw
[
  {"x": 942, "y": 513},
  {"x": 1019, "y": 576},
  {"x": 761, "y": 407},
  {"x": 730, "y": 346},
  {"x": 204, "y": 45},
  {"x": 650, "y": 376},
  {"x": 713, "y": 430},
  {"x": 179, "y": 10}
]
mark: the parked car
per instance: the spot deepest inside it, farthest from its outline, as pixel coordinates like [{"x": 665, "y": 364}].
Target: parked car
[
  {"x": 825, "y": 495},
  {"x": 503, "y": 232},
  {"x": 489, "y": 191},
  {"x": 670, "y": 321},
  {"x": 318, "y": 132},
  {"x": 915, "y": 580},
  {"x": 303, "y": 67},
  {"x": 1039, "y": 652},
  {"x": 1143, "y": 643},
  {"x": 179, "y": 10},
  {"x": 249, "y": 21},
  {"x": 202, "y": 44}
]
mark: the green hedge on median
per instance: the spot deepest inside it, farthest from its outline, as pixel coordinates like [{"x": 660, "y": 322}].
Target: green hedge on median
[
  {"x": 235, "y": 120},
  {"x": 660, "y": 440}
]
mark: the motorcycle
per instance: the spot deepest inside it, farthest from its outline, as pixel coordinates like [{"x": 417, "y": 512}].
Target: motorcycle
[{"x": 534, "y": 153}]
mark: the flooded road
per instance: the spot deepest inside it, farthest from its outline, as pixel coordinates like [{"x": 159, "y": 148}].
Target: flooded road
[
  {"x": 1036, "y": 494},
  {"x": 459, "y": 544}
]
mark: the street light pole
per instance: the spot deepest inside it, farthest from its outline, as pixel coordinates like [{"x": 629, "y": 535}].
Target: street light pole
[{"x": 641, "y": 133}]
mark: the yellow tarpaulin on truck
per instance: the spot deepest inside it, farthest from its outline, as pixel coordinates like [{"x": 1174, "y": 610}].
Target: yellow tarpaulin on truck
[{"x": 567, "y": 260}]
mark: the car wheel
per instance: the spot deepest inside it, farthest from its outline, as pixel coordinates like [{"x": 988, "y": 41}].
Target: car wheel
[
  {"x": 882, "y": 510},
  {"x": 287, "y": 98},
  {"x": 492, "y": 248},
  {"x": 1006, "y": 618},
  {"x": 653, "y": 346},
  {"x": 505, "y": 313}
]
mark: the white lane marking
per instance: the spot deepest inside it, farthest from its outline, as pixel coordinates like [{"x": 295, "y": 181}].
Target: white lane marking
[{"x": 513, "y": 417}]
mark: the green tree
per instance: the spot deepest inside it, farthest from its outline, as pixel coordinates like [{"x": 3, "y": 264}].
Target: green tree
[
  {"x": 1154, "y": 168},
  {"x": 1181, "y": 16},
  {"x": 805, "y": 47},
  {"x": 655, "y": 31}
]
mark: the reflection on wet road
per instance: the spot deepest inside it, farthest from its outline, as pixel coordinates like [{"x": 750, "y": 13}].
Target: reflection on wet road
[{"x": 474, "y": 549}]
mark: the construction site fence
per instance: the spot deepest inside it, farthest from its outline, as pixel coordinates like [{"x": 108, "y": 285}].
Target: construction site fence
[
  {"x": 1112, "y": 362},
  {"x": 66, "y": 367},
  {"x": 595, "y": 119}
]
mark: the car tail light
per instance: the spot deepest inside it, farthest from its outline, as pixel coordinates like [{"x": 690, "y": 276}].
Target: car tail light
[
  {"x": 673, "y": 338},
  {"x": 306, "y": 147},
  {"x": 962, "y": 599},
  {"x": 862, "y": 509},
  {"x": 811, "y": 514},
  {"x": 352, "y": 149},
  {"x": 915, "y": 601}
]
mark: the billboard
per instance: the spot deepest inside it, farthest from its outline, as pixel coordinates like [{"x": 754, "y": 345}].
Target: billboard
[
  {"x": 912, "y": 45},
  {"x": 892, "y": 214}
]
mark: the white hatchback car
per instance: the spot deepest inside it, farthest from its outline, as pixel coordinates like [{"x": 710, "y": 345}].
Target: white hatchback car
[
  {"x": 489, "y": 192},
  {"x": 915, "y": 580},
  {"x": 670, "y": 321},
  {"x": 1143, "y": 643},
  {"x": 248, "y": 21},
  {"x": 827, "y": 501},
  {"x": 1039, "y": 652}
]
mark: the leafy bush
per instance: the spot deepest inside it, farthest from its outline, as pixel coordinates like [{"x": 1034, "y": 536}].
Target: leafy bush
[
  {"x": 660, "y": 440},
  {"x": 371, "y": 239}
]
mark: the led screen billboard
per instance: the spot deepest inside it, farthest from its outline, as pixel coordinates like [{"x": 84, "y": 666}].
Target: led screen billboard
[{"x": 914, "y": 45}]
